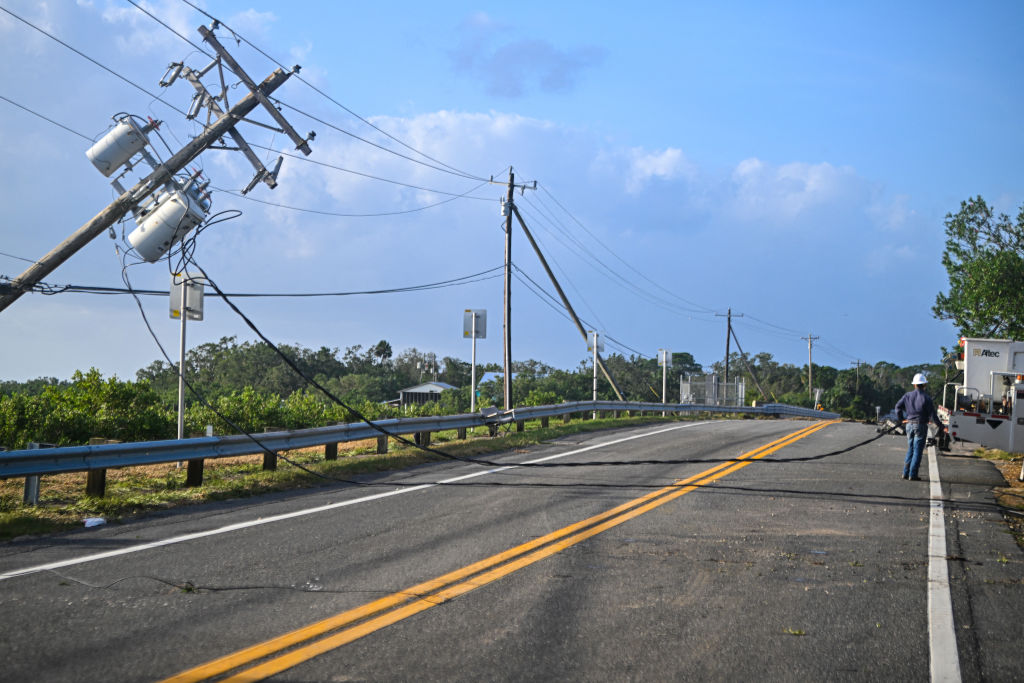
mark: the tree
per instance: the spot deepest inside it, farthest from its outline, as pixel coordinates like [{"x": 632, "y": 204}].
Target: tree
[{"x": 984, "y": 259}]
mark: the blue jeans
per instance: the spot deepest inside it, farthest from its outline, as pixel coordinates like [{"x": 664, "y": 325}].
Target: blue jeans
[{"x": 916, "y": 436}]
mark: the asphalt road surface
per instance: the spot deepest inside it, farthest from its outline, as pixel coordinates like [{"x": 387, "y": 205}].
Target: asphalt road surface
[{"x": 724, "y": 550}]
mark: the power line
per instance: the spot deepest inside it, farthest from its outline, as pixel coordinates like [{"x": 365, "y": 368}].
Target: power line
[
  {"x": 50, "y": 289},
  {"x": 344, "y": 215},
  {"x": 370, "y": 176},
  {"x": 44, "y": 118},
  {"x": 168, "y": 27},
  {"x": 616, "y": 255},
  {"x": 620, "y": 280},
  {"x": 87, "y": 57},
  {"x": 552, "y": 301},
  {"x": 20, "y": 258},
  {"x": 328, "y": 97},
  {"x": 380, "y": 147}
]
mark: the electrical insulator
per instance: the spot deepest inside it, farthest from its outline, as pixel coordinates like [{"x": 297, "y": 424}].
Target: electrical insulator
[
  {"x": 118, "y": 146},
  {"x": 173, "y": 215}
]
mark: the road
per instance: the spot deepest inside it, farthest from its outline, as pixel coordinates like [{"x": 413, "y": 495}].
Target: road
[{"x": 758, "y": 549}]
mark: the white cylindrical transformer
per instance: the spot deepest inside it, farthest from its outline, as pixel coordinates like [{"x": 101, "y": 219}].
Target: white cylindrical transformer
[
  {"x": 173, "y": 215},
  {"x": 120, "y": 144}
]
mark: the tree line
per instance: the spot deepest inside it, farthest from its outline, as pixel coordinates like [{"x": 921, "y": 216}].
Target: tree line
[{"x": 247, "y": 386}]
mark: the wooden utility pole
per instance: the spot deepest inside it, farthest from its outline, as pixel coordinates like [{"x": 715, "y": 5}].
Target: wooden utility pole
[
  {"x": 507, "y": 324},
  {"x": 728, "y": 335},
  {"x": 810, "y": 344},
  {"x": 858, "y": 363},
  {"x": 161, "y": 175}
]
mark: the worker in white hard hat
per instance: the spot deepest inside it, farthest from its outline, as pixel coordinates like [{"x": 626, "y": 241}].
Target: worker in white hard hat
[{"x": 919, "y": 410}]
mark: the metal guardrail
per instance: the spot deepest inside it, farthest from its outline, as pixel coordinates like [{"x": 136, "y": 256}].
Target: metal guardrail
[{"x": 23, "y": 463}]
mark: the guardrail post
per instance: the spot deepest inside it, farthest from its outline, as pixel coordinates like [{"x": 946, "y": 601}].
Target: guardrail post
[
  {"x": 96, "y": 483},
  {"x": 382, "y": 444},
  {"x": 567, "y": 418},
  {"x": 520, "y": 425},
  {"x": 194, "y": 475},
  {"x": 422, "y": 439},
  {"x": 492, "y": 429},
  {"x": 32, "y": 481},
  {"x": 270, "y": 458},
  {"x": 331, "y": 451},
  {"x": 32, "y": 490},
  {"x": 545, "y": 422},
  {"x": 461, "y": 433},
  {"x": 96, "y": 480}
]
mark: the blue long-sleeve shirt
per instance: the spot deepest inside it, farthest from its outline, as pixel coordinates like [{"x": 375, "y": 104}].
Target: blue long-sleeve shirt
[{"x": 918, "y": 407}]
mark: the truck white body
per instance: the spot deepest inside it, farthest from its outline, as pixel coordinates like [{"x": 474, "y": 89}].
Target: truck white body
[{"x": 988, "y": 407}]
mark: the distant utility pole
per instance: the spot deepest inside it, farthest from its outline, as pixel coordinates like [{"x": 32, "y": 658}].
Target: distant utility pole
[
  {"x": 810, "y": 343},
  {"x": 128, "y": 134},
  {"x": 506, "y": 210},
  {"x": 858, "y": 363},
  {"x": 728, "y": 336}
]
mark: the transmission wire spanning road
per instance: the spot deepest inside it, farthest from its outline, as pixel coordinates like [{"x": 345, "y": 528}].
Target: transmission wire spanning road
[{"x": 769, "y": 549}]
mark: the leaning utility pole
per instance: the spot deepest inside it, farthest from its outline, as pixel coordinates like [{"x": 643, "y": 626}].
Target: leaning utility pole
[
  {"x": 743, "y": 357},
  {"x": 810, "y": 343},
  {"x": 565, "y": 301},
  {"x": 163, "y": 174}
]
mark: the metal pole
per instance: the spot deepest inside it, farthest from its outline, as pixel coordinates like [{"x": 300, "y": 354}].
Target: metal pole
[
  {"x": 183, "y": 314},
  {"x": 595, "y": 372},
  {"x": 472, "y": 380},
  {"x": 664, "y": 378}
]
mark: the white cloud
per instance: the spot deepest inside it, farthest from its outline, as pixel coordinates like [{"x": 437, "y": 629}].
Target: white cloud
[
  {"x": 782, "y": 194},
  {"x": 144, "y": 34},
  {"x": 668, "y": 164},
  {"x": 892, "y": 213}
]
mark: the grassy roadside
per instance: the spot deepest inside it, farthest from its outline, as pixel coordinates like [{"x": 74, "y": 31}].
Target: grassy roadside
[
  {"x": 134, "y": 491},
  {"x": 1011, "y": 496}
]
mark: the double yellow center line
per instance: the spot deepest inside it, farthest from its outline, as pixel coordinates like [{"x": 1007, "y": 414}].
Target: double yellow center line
[{"x": 353, "y": 624}]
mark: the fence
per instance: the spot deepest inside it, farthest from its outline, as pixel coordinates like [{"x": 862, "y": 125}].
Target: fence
[
  {"x": 95, "y": 459},
  {"x": 710, "y": 390}
]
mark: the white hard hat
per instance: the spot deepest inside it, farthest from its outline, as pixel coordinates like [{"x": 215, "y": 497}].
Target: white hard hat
[{"x": 919, "y": 378}]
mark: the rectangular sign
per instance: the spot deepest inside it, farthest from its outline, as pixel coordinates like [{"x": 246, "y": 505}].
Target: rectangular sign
[
  {"x": 195, "y": 296},
  {"x": 481, "y": 323}
]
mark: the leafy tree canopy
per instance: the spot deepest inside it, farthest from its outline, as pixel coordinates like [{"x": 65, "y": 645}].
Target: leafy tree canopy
[{"x": 984, "y": 259}]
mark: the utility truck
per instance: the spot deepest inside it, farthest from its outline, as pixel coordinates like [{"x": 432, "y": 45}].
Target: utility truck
[{"x": 988, "y": 406}]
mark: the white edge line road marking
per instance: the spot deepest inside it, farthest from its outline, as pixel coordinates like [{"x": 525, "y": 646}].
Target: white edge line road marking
[
  {"x": 311, "y": 511},
  {"x": 945, "y": 658}
]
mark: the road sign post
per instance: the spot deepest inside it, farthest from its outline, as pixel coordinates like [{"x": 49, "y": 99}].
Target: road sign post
[{"x": 474, "y": 326}]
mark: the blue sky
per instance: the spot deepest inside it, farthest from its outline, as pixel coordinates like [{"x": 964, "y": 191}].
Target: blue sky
[{"x": 791, "y": 161}]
